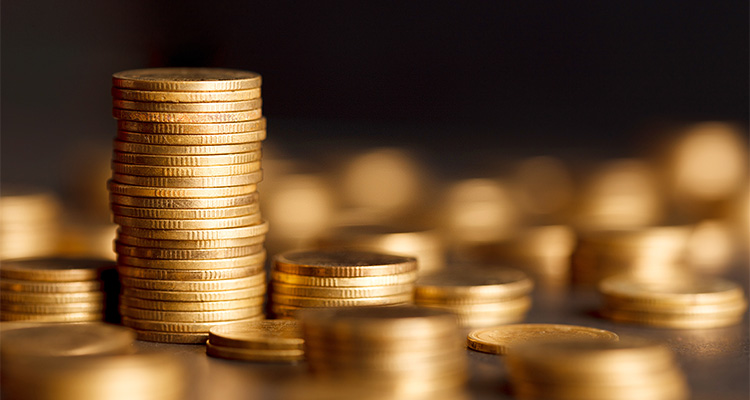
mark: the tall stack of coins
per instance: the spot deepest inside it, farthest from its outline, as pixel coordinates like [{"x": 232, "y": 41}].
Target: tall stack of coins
[
  {"x": 688, "y": 303},
  {"x": 478, "y": 297},
  {"x": 339, "y": 278},
  {"x": 53, "y": 289},
  {"x": 272, "y": 340},
  {"x": 185, "y": 167},
  {"x": 30, "y": 222},
  {"x": 399, "y": 352},
  {"x": 630, "y": 368}
]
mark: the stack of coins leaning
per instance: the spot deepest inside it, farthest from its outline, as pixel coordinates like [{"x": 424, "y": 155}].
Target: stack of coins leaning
[
  {"x": 339, "y": 278},
  {"x": 688, "y": 303},
  {"x": 479, "y": 298},
  {"x": 499, "y": 339},
  {"x": 271, "y": 340},
  {"x": 630, "y": 368},
  {"x": 186, "y": 163},
  {"x": 30, "y": 222},
  {"x": 398, "y": 352},
  {"x": 53, "y": 289}
]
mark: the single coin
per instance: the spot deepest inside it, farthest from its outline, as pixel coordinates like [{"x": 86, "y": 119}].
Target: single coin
[
  {"x": 192, "y": 140},
  {"x": 738, "y": 305},
  {"x": 259, "y": 335},
  {"x": 179, "y": 327},
  {"x": 187, "y": 117},
  {"x": 63, "y": 317},
  {"x": 190, "y": 316},
  {"x": 224, "y": 106},
  {"x": 190, "y": 244},
  {"x": 191, "y": 129},
  {"x": 167, "y": 337},
  {"x": 54, "y": 269},
  {"x": 194, "y": 306},
  {"x": 186, "y": 254},
  {"x": 342, "y": 292},
  {"x": 199, "y": 234},
  {"x": 343, "y": 263},
  {"x": 328, "y": 302},
  {"x": 186, "y": 160},
  {"x": 140, "y": 148},
  {"x": 194, "y": 286},
  {"x": 207, "y": 296},
  {"x": 190, "y": 275},
  {"x": 51, "y": 298},
  {"x": 302, "y": 280},
  {"x": 469, "y": 285},
  {"x": 185, "y": 97},
  {"x": 218, "y": 263},
  {"x": 187, "y": 224},
  {"x": 117, "y": 188},
  {"x": 677, "y": 292},
  {"x": 185, "y": 213},
  {"x": 498, "y": 339},
  {"x": 184, "y": 204},
  {"x": 13, "y": 285},
  {"x": 190, "y": 182},
  {"x": 514, "y": 305},
  {"x": 260, "y": 355},
  {"x": 186, "y": 79},
  {"x": 675, "y": 321},
  {"x": 159, "y": 171},
  {"x": 31, "y": 308},
  {"x": 67, "y": 340}
]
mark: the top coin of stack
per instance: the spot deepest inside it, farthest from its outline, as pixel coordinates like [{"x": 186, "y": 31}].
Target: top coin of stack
[
  {"x": 30, "y": 222},
  {"x": 186, "y": 163},
  {"x": 340, "y": 278}
]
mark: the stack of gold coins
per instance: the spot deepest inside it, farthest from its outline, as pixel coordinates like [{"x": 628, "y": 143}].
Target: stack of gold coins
[
  {"x": 424, "y": 245},
  {"x": 652, "y": 253},
  {"x": 186, "y": 164},
  {"x": 398, "y": 352},
  {"x": 688, "y": 303},
  {"x": 339, "y": 278},
  {"x": 271, "y": 340},
  {"x": 630, "y": 368},
  {"x": 30, "y": 221},
  {"x": 499, "y": 339},
  {"x": 479, "y": 298},
  {"x": 53, "y": 289}
]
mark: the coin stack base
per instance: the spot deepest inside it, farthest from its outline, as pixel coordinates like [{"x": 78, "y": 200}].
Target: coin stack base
[{"x": 260, "y": 341}]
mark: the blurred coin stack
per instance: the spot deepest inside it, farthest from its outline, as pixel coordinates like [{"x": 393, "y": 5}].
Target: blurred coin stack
[
  {"x": 651, "y": 253},
  {"x": 272, "y": 340},
  {"x": 398, "y": 352},
  {"x": 30, "y": 222},
  {"x": 53, "y": 289},
  {"x": 479, "y": 298},
  {"x": 186, "y": 165},
  {"x": 339, "y": 278},
  {"x": 630, "y": 368},
  {"x": 688, "y": 303}
]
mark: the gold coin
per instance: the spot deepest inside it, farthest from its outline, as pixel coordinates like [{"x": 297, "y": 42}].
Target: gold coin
[
  {"x": 185, "y": 97},
  {"x": 64, "y": 317},
  {"x": 117, "y": 188},
  {"x": 200, "y": 234},
  {"x": 515, "y": 305},
  {"x": 167, "y": 337},
  {"x": 212, "y": 107},
  {"x": 186, "y": 160},
  {"x": 54, "y": 269},
  {"x": 676, "y": 321},
  {"x": 13, "y": 285},
  {"x": 67, "y": 340},
  {"x": 160, "y": 150},
  {"x": 179, "y": 327},
  {"x": 186, "y": 254},
  {"x": 195, "y": 306},
  {"x": 159, "y": 171},
  {"x": 186, "y": 79},
  {"x": 187, "y": 117},
  {"x": 185, "y": 213},
  {"x": 342, "y": 292},
  {"x": 259, "y": 335},
  {"x": 192, "y": 140},
  {"x": 224, "y": 295},
  {"x": 51, "y": 298},
  {"x": 183, "y": 204},
  {"x": 31, "y": 308},
  {"x": 190, "y": 244},
  {"x": 190, "y": 316},
  {"x": 261, "y": 355},
  {"x": 187, "y": 224},
  {"x": 218, "y": 263},
  {"x": 190, "y": 129},
  {"x": 194, "y": 286},
  {"x": 343, "y": 263},
  {"x": 472, "y": 285},
  {"x": 675, "y": 292},
  {"x": 474, "y": 321},
  {"x": 497, "y": 340},
  {"x": 284, "y": 312},
  {"x": 328, "y": 302},
  {"x": 301, "y": 280},
  {"x": 190, "y": 275},
  {"x": 190, "y": 182}
]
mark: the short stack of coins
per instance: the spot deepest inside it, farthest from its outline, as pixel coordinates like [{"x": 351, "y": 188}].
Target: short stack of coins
[
  {"x": 687, "y": 303},
  {"x": 479, "y": 298},
  {"x": 186, "y": 165},
  {"x": 630, "y": 368},
  {"x": 339, "y": 278},
  {"x": 53, "y": 289},
  {"x": 403, "y": 352},
  {"x": 30, "y": 222},
  {"x": 271, "y": 340}
]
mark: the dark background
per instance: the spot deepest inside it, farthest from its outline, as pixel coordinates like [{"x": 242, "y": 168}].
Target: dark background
[{"x": 450, "y": 77}]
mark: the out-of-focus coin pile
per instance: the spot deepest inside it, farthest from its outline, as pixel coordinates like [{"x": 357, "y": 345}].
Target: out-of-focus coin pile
[
  {"x": 270, "y": 340},
  {"x": 630, "y": 368},
  {"x": 54, "y": 289},
  {"x": 30, "y": 222},
  {"x": 339, "y": 278},
  {"x": 478, "y": 298},
  {"x": 398, "y": 352},
  {"x": 499, "y": 339},
  {"x": 686, "y": 302},
  {"x": 186, "y": 165}
]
